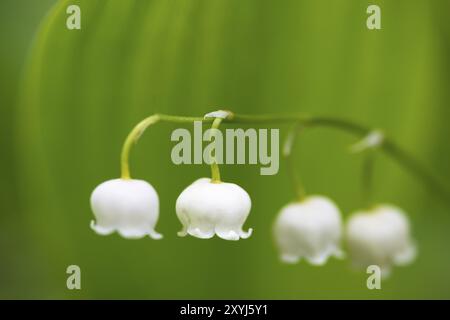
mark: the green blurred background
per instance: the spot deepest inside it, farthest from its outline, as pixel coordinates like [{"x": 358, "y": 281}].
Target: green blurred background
[{"x": 69, "y": 98}]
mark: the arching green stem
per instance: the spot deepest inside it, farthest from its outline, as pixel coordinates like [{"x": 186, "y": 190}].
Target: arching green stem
[
  {"x": 389, "y": 147},
  {"x": 131, "y": 139},
  {"x": 139, "y": 129},
  {"x": 406, "y": 160}
]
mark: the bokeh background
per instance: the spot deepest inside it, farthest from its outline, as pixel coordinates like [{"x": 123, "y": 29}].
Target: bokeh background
[{"x": 68, "y": 99}]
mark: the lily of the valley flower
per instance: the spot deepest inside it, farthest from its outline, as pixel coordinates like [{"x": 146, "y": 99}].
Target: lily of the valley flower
[
  {"x": 206, "y": 208},
  {"x": 380, "y": 236},
  {"x": 128, "y": 206},
  {"x": 310, "y": 229}
]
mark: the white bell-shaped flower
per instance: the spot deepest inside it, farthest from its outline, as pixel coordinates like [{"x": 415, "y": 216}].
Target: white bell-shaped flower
[
  {"x": 311, "y": 229},
  {"x": 128, "y": 206},
  {"x": 380, "y": 236},
  {"x": 205, "y": 208}
]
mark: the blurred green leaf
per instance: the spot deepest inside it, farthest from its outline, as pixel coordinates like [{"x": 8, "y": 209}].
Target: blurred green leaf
[{"x": 84, "y": 90}]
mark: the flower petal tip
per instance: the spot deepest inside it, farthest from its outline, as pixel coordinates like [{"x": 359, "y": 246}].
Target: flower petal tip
[
  {"x": 319, "y": 260},
  {"x": 202, "y": 234},
  {"x": 155, "y": 235},
  {"x": 182, "y": 233},
  {"x": 228, "y": 235},
  {"x": 246, "y": 234},
  {"x": 100, "y": 230},
  {"x": 289, "y": 259}
]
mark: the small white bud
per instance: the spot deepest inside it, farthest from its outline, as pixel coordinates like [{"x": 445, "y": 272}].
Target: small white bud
[
  {"x": 372, "y": 140},
  {"x": 223, "y": 114}
]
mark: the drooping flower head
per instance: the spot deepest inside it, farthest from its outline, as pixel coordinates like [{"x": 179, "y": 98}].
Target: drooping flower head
[
  {"x": 205, "y": 208},
  {"x": 128, "y": 206},
  {"x": 380, "y": 236},
  {"x": 309, "y": 229}
]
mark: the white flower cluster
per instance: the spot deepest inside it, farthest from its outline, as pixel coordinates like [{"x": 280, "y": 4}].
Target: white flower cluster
[
  {"x": 312, "y": 229},
  {"x": 205, "y": 209}
]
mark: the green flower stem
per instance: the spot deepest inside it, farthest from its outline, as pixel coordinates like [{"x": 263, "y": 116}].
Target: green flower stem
[
  {"x": 389, "y": 147},
  {"x": 367, "y": 177},
  {"x": 288, "y": 145},
  {"x": 405, "y": 160},
  {"x": 139, "y": 129},
  {"x": 215, "y": 172}
]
